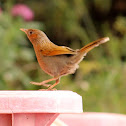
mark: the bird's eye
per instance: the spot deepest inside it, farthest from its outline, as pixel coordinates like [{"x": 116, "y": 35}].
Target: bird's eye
[{"x": 30, "y": 32}]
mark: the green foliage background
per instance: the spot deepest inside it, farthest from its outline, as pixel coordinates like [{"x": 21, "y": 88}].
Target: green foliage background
[{"x": 101, "y": 78}]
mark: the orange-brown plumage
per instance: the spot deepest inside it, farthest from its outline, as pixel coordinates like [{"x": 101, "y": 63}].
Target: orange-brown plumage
[{"x": 56, "y": 60}]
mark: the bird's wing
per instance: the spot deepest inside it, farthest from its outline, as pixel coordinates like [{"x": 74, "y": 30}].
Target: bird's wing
[{"x": 58, "y": 50}]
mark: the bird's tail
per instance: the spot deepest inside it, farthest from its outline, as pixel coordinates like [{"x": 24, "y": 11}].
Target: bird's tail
[
  {"x": 93, "y": 44},
  {"x": 84, "y": 50}
]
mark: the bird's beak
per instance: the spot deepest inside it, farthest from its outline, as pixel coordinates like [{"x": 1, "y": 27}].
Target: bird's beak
[{"x": 23, "y": 29}]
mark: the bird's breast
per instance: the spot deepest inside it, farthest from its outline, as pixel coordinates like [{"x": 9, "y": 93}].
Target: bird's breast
[{"x": 52, "y": 65}]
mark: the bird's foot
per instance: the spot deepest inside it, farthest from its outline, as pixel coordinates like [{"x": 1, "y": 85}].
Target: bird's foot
[
  {"x": 54, "y": 89},
  {"x": 43, "y": 84}
]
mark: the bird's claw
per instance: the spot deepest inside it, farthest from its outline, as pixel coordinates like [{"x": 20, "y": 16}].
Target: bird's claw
[{"x": 54, "y": 89}]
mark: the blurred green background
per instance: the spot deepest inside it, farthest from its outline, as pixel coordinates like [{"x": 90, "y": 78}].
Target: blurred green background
[{"x": 101, "y": 78}]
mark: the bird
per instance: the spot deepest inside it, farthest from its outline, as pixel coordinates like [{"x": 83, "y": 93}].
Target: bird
[{"x": 57, "y": 61}]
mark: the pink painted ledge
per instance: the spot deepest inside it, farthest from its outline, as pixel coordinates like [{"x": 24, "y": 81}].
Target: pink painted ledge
[
  {"x": 93, "y": 119},
  {"x": 36, "y": 108}
]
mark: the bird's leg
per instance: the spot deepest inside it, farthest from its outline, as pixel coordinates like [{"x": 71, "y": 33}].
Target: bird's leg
[
  {"x": 44, "y": 82},
  {"x": 37, "y": 83},
  {"x": 52, "y": 86}
]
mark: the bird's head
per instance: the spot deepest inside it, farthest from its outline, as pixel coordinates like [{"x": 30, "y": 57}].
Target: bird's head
[{"x": 34, "y": 35}]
